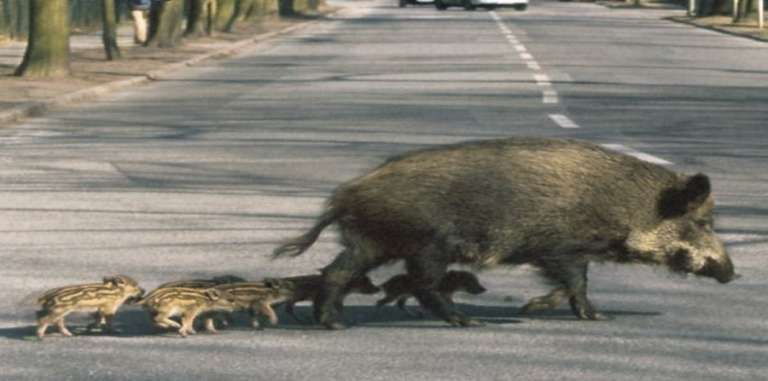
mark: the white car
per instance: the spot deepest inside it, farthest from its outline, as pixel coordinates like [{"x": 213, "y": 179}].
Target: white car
[{"x": 519, "y": 5}]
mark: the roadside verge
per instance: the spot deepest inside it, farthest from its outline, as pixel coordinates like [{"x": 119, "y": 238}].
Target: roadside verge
[{"x": 94, "y": 77}]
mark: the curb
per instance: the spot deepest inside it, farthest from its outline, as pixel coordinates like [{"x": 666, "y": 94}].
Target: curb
[
  {"x": 646, "y": 5},
  {"x": 34, "y": 109},
  {"x": 683, "y": 20}
]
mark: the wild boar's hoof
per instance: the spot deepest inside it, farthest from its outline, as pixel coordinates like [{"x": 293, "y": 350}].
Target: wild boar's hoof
[
  {"x": 472, "y": 323},
  {"x": 585, "y": 311},
  {"x": 460, "y": 321},
  {"x": 534, "y": 306},
  {"x": 590, "y": 315},
  {"x": 546, "y": 302},
  {"x": 335, "y": 326}
]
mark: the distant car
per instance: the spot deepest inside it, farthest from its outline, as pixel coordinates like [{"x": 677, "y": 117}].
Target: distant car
[{"x": 519, "y": 5}]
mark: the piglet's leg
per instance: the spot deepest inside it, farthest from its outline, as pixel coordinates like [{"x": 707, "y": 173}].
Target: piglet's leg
[
  {"x": 187, "y": 325},
  {"x": 41, "y": 327},
  {"x": 210, "y": 327},
  {"x": 62, "y": 328},
  {"x": 267, "y": 310},
  {"x": 164, "y": 321}
]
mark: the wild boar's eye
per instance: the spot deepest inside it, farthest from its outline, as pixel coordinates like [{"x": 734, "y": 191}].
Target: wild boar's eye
[{"x": 706, "y": 223}]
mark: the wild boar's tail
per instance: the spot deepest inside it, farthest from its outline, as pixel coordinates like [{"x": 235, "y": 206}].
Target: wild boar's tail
[{"x": 300, "y": 244}]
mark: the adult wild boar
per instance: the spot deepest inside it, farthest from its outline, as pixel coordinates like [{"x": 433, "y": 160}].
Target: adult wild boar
[{"x": 555, "y": 204}]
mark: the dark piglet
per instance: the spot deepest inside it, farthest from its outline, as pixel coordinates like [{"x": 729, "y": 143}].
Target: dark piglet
[
  {"x": 401, "y": 287},
  {"x": 307, "y": 287},
  {"x": 555, "y": 204}
]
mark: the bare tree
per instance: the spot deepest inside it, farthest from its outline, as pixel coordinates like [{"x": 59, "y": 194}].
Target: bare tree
[
  {"x": 47, "y": 53},
  {"x": 109, "y": 29}
]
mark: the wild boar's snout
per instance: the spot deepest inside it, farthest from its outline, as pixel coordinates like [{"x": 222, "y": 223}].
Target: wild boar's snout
[{"x": 722, "y": 271}]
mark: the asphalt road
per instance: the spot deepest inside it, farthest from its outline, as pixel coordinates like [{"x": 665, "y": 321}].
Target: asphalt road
[{"x": 205, "y": 171}]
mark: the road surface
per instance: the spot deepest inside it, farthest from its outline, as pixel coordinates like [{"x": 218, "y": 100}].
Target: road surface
[{"x": 204, "y": 172}]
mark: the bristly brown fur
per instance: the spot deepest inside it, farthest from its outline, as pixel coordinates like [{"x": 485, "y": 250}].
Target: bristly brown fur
[{"x": 554, "y": 203}]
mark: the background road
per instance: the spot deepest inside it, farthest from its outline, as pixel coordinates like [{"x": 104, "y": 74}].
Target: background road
[{"x": 204, "y": 172}]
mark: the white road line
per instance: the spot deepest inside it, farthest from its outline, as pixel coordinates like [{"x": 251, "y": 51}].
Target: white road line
[
  {"x": 549, "y": 92},
  {"x": 548, "y": 95},
  {"x": 640, "y": 155},
  {"x": 563, "y": 121},
  {"x": 550, "y": 100}
]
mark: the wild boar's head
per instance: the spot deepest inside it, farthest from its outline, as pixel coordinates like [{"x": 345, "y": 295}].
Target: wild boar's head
[{"x": 683, "y": 237}]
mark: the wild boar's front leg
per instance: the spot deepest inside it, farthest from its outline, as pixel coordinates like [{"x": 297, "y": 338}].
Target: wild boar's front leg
[
  {"x": 573, "y": 276},
  {"x": 547, "y": 302}
]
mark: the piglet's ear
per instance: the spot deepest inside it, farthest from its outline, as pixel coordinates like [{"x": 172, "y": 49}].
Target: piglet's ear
[
  {"x": 274, "y": 283},
  {"x": 213, "y": 294},
  {"x": 689, "y": 195},
  {"x": 111, "y": 280}
]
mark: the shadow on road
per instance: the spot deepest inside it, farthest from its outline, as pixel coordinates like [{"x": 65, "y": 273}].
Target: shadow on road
[{"x": 136, "y": 323}]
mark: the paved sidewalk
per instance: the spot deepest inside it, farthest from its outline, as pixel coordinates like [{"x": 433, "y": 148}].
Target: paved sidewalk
[
  {"x": 722, "y": 24},
  {"x": 92, "y": 75}
]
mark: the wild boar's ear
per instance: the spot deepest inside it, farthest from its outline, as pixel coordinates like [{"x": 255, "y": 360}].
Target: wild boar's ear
[
  {"x": 111, "y": 279},
  {"x": 689, "y": 195}
]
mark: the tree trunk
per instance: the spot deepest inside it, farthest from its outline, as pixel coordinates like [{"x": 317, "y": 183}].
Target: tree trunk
[
  {"x": 17, "y": 18},
  {"x": 224, "y": 12},
  {"x": 747, "y": 11},
  {"x": 47, "y": 52},
  {"x": 165, "y": 18},
  {"x": 286, "y": 8},
  {"x": 242, "y": 9},
  {"x": 201, "y": 18},
  {"x": 109, "y": 29}
]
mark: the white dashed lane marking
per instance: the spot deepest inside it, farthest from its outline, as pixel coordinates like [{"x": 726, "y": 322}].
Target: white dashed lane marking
[
  {"x": 563, "y": 121},
  {"x": 640, "y": 155},
  {"x": 550, "y": 96}
]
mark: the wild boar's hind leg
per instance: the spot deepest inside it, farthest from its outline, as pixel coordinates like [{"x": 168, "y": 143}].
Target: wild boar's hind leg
[
  {"x": 429, "y": 269},
  {"x": 351, "y": 263}
]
